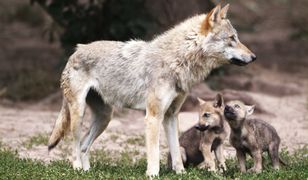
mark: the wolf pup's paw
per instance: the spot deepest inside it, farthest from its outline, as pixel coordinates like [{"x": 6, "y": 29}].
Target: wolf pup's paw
[
  {"x": 222, "y": 168},
  {"x": 254, "y": 170}
]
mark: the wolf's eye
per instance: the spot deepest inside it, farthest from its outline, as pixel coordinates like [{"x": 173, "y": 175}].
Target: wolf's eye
[
  {"x": 206, "y": 115},
  {"x": 237, "y": 106},
  {"x": 232, "y": 38}
]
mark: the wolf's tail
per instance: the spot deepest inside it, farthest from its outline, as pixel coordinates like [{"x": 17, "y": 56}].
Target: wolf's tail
[{"x": 61, "y": 126}]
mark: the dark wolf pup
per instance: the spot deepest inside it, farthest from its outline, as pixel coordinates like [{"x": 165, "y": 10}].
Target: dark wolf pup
[
  {"x": 252, "y": 136},
  {"x": 199, "y": 142},
  {"x": 154, "y": 76}
]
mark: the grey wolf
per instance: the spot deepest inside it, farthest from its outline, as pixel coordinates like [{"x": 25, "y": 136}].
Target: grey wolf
[
  {"x": 198, "y": 142},
  {"x": 154, "y": 76},
  {"x": 252, "y": 136}
]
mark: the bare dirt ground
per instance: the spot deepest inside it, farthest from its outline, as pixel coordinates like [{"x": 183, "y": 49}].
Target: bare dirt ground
[{"x": 24, "y": 124}]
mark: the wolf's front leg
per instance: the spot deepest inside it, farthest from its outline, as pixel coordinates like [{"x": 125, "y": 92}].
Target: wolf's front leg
[
  {"x": 171, "y": 129},
  {"x": 219, "y": 153},
  {"x": 152, "y": 144},
  {"x": 158, "y": 101},
  {"x": 209, "y": 161},
  {"x": 241, "y": 157},
  {"x": 257, "y": 158}
]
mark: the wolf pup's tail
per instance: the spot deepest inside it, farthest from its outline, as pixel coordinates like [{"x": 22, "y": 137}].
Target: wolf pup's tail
[{"x": 61, "y": 126}]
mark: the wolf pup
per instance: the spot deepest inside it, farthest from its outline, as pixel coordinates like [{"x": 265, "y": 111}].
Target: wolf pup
[
  {"x": 252, "y": 136},
  {"x": 208, "y": 135},
  {"x": 154, "y": 76}
]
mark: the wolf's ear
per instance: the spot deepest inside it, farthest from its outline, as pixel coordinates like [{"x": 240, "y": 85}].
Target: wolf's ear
[
  {"x": 219, "y": 101},
  {"x": 223, "y": 12},
  {"x": 250, "y": 109},
  {"x": 211, "y": 18},
  {"x": 201, "y": 101},
  {"x": 214, "y": 15}
]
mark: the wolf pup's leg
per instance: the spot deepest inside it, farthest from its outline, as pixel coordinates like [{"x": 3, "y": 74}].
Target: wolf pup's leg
[
  {"x": 101, "y": 115},
  {"x": 257, "y": 158},
  {"x": 274, "y": 154},
  {"x": 219, "y": 153},
  {"x": 209, "y": 161},
  {"x": 241, "y": 157}
]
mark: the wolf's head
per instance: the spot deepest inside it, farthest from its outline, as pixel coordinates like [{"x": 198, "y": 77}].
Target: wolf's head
[
  {"x": 220, "y": 39},
  {"x": 210, "y": 113},
  {"x": 236, "y": 112}
]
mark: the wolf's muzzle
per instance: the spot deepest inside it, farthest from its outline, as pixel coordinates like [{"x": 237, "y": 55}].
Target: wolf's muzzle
[
  {"x": 238, "y": 62},
  {"x": 243, "y": 62},
  {"x": 201, "y": 127},
  {"x": 229, "y": 113}
]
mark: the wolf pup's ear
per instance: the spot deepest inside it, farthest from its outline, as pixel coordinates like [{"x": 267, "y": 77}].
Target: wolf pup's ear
[
  {"x": 250, "y": 109},
  {"x": 219, "y": 101},
  {"x": 200, "y": 101},
  {"x": 211, "y": 18},
  {"x": 223, "y": 12}
]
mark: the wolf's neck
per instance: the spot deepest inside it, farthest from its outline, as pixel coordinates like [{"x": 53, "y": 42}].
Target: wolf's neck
[{"x": 183, "y": 53}]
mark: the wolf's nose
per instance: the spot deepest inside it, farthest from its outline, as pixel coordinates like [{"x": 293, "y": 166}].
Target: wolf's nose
[
  {"x": 227, "y": 108},
  {"x": 253, "y": 57}
]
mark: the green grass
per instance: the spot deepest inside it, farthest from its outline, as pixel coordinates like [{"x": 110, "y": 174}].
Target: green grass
[
  {"x": 106, "y": 166},
  {"x": 137, "y": 140},
  {"x": 39, "y": 139}
]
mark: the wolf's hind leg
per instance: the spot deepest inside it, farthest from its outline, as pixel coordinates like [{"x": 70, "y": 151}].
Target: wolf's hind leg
[
  {"x": 274, "y": 155},
  {"x": 76, "y": 112},
  {"x": 101, "y": 115}
]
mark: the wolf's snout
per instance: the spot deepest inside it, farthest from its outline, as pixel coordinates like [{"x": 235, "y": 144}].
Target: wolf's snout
[
  {"x": 253, "y": 57},
  {"x": 201, "y": 127},
  {"x": 228, "y": 108},
  {"x": 229, "y": 113}
]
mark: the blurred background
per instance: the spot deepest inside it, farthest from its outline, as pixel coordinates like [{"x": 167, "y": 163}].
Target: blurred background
[{"x": 37, "y": 37}]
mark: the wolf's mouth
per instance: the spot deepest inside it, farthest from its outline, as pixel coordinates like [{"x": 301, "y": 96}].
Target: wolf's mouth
[
  {"x": 238, "y": 62},
  {"x": 201, "y": 127}
]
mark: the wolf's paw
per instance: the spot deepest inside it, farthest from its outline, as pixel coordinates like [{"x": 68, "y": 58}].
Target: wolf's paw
[
  {"x": 179, "y": 168},
  {"x": 151, "y": 173},
  {"x": 222, "y": 167},
  {"x": 85, "y": 163},
  {"x": 254, "y": 170},
  {"x": 180, "y": 171},
  {"x": 208, "y": 167},
  {"x": 77, "y": 165}
]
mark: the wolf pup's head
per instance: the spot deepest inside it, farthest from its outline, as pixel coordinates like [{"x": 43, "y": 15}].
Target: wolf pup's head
[
  {"x": 221, "y": 41},
  {"x": 210, "y": 113},
  {"x": 236, "y": 112}
]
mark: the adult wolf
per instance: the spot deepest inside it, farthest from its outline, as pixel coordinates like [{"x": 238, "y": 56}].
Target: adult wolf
[{"x": 154, "y": 76}]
